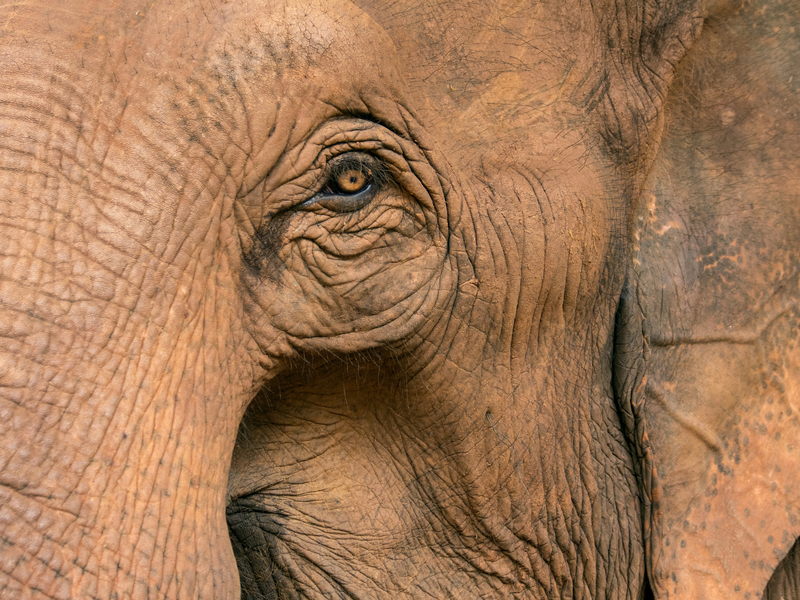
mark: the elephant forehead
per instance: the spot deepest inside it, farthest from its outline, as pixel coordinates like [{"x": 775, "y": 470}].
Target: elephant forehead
[
  {"x": 328, "y": 50},
  {"x": 331, "y": 45},
  {"x": 292, "y": 64},
  {"x": 307, "y": 31},
  {"x": 185, "y": 27}
]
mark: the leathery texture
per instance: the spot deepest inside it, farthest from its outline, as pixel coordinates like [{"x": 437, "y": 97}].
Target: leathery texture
[{"x": 229, "y": 368}]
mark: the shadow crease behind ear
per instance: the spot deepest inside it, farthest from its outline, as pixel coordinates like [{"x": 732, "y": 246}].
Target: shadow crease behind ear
[{"x": 785, "y": 581}]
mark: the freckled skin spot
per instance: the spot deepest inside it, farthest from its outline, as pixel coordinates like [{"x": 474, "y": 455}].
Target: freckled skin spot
[{"x": 733, "y": 373}]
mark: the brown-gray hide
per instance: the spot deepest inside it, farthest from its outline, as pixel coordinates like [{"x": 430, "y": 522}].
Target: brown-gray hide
[{"x": 388, "y": 299}]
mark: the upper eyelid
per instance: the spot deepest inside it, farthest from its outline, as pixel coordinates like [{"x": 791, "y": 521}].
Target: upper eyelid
[
  {"x": 323, "y": 142},
  {"x": 303, "y": 171},
  {"x": 417, "y": 172}
]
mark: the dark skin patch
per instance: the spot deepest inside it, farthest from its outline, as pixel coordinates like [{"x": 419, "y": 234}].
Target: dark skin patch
[
  {"x": 252, "y": 537},
  {"x": 263, "y": 259}
]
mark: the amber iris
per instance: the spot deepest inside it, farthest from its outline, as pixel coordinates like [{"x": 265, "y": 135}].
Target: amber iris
[{"x": 352, "y": 181}]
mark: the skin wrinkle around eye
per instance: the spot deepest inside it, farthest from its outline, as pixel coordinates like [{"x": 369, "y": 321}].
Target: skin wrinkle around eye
[
  {"x": 333, "y": 137},
  {"x": 298, "y": 170},
  {"x": 350, "y": 235},
  {"x": 321, "y": 273}
]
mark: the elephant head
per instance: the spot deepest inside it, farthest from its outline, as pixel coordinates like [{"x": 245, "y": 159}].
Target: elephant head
[{"x": 356, "y": 299}]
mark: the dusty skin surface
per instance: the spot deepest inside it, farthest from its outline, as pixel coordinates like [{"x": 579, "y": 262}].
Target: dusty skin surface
[{"x": 382, "y": 300}]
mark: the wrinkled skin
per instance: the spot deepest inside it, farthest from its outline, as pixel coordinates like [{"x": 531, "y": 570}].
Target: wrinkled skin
[{"x": 551, "y": 350}]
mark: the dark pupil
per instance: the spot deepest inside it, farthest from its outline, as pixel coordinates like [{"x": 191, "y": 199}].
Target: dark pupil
[{"x": 352, "y": 181}]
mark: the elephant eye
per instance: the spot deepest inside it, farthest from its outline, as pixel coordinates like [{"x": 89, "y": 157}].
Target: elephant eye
[{"x": 352, "y": 181}]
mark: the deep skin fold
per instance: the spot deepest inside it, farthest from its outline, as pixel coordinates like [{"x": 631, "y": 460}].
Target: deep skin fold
[{"x": 422, "y": 390}]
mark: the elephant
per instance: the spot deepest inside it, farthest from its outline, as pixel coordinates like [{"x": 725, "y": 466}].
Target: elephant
[{"x": 397, "y": 299}]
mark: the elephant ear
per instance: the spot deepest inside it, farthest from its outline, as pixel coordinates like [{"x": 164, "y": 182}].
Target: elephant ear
[
  {"x": 707, "y": 364},
  {"x": 640, "y": 44}
]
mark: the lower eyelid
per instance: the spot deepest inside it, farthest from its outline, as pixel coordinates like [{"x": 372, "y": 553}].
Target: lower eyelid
[{"x": 342, "y": 202}]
